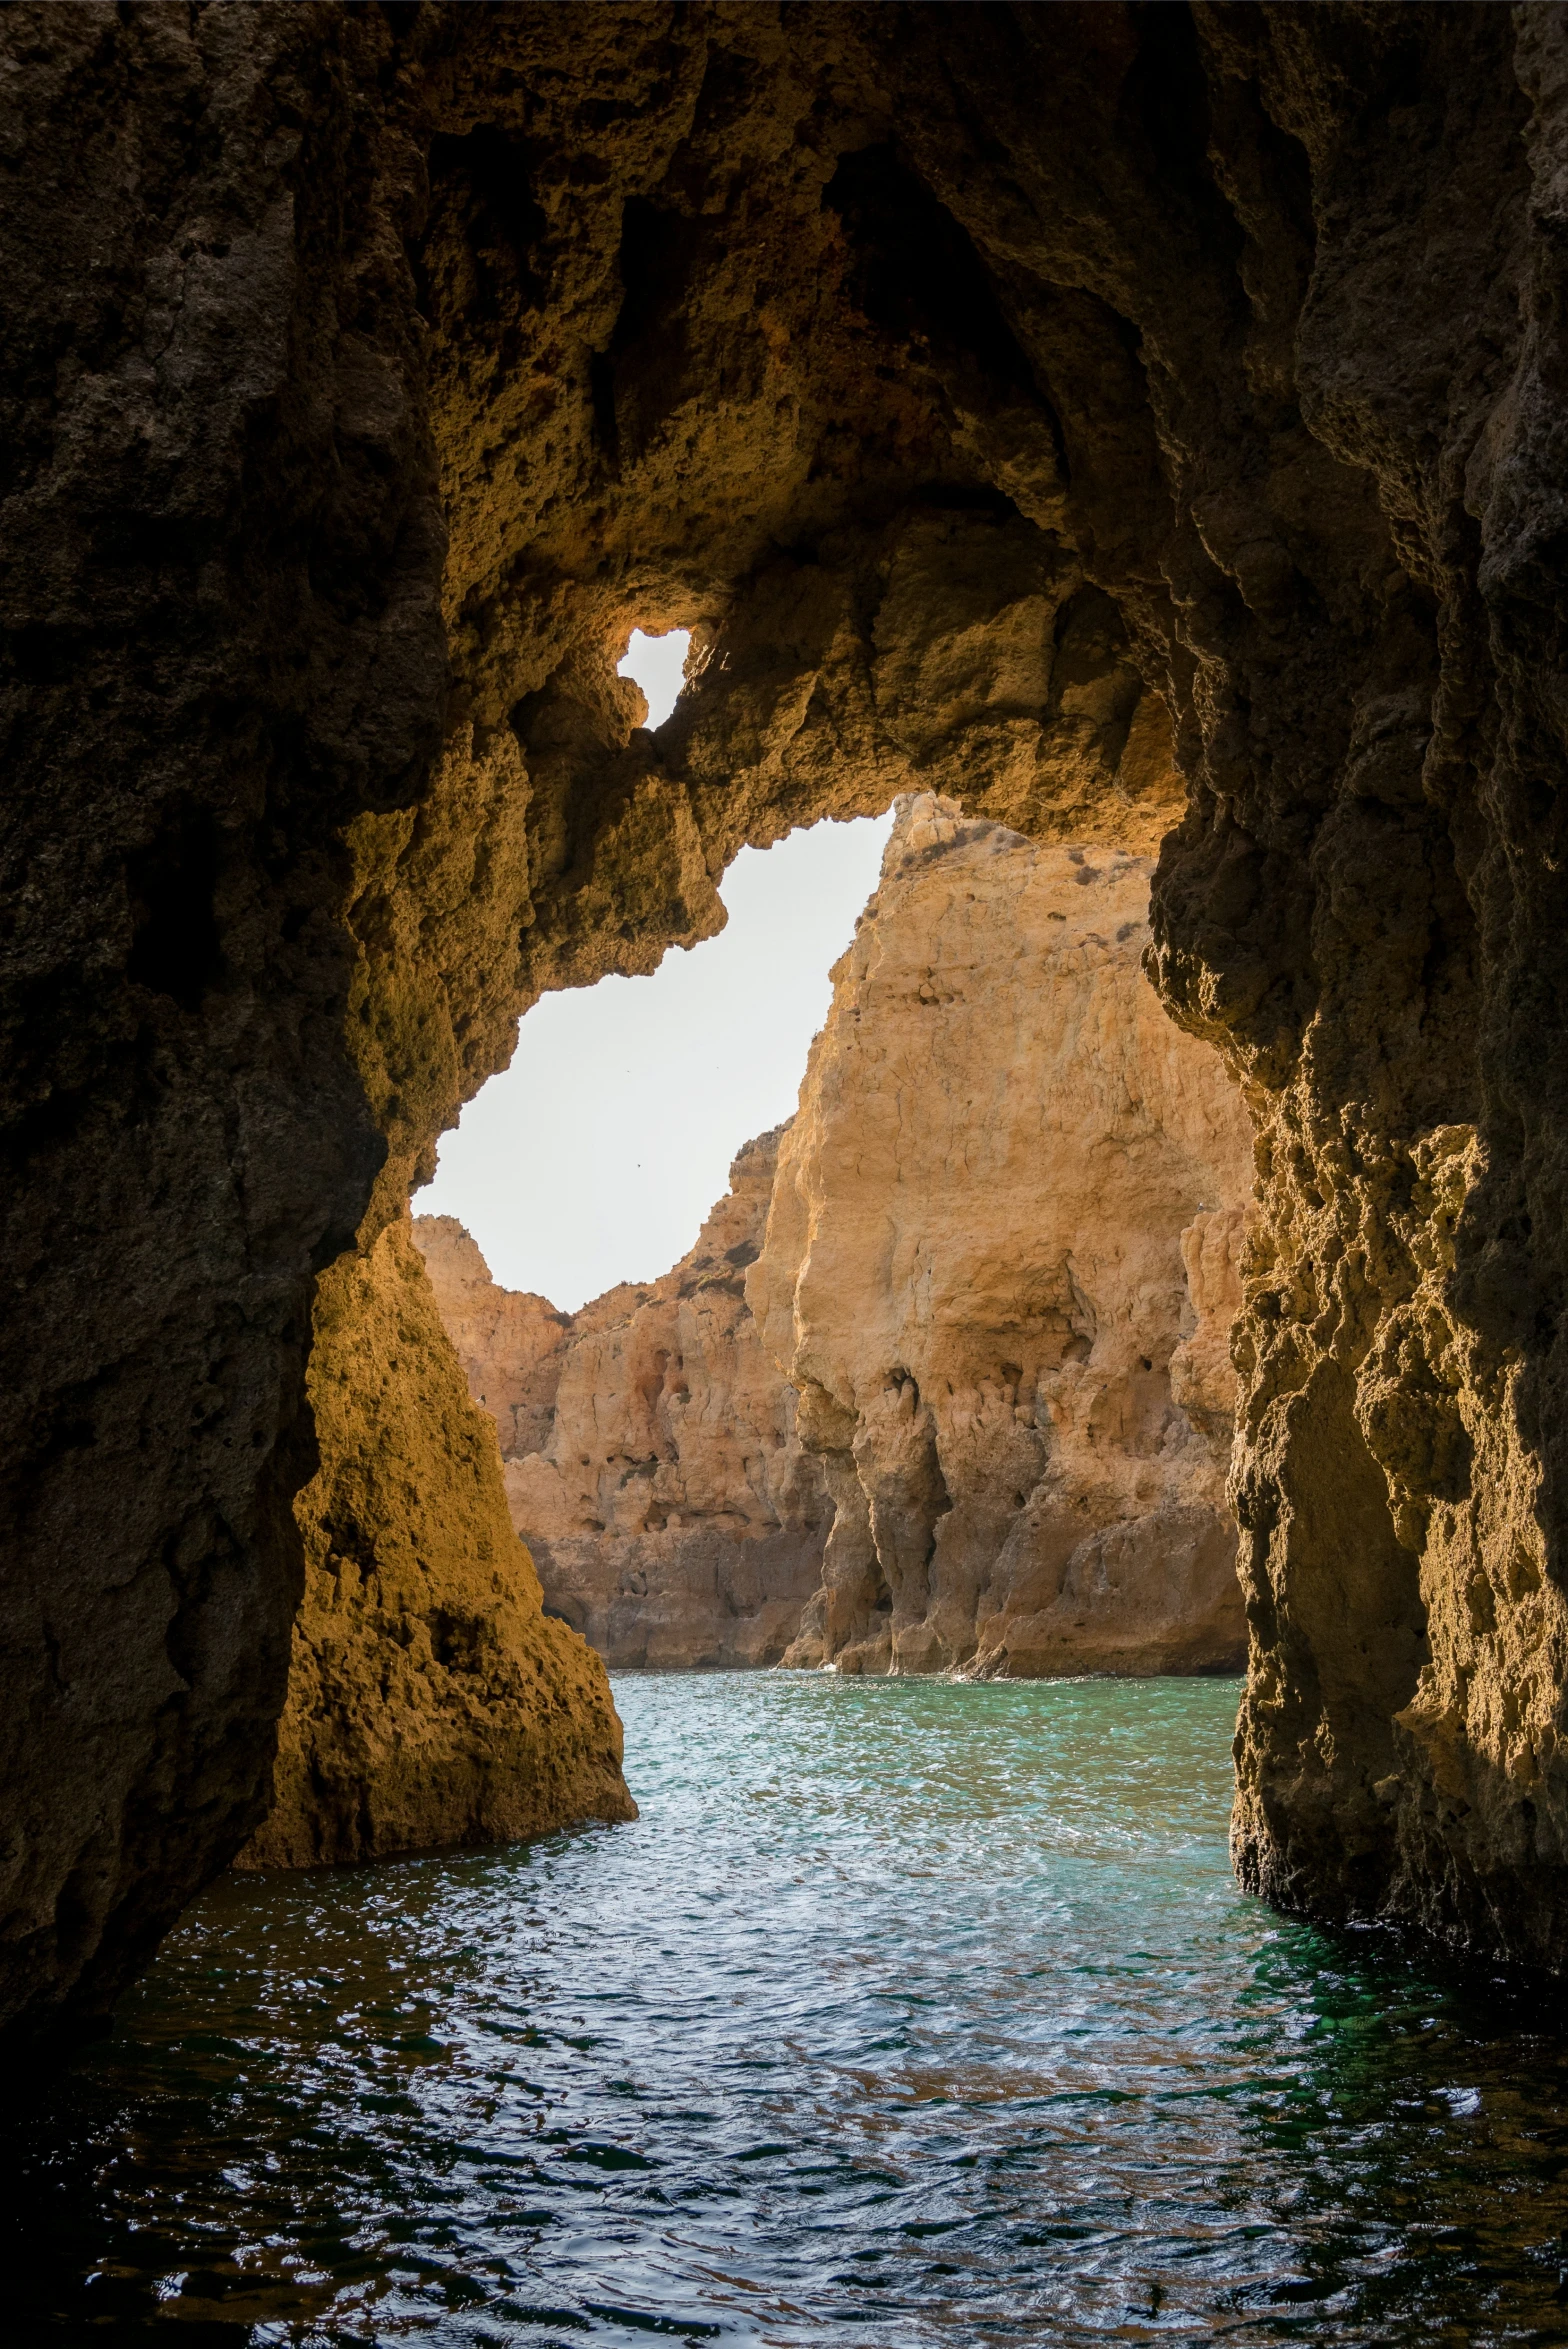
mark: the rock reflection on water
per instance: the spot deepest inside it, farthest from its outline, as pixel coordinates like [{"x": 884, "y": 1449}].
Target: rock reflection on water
[{"x": 908, "y": 2013}]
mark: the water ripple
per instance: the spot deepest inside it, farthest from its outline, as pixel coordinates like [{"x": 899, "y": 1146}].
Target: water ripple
[{"x": 908, "y": 2014}]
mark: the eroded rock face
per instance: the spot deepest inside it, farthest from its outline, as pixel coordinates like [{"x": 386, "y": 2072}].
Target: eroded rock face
[
  {"x": 431, "y": 1701},
  {"x": 1002, "y": 394},
  {"x": 1005, "y": 1159},
  {"x": 509, "y": 1342},
  {"x": 652, "y": 1465}
]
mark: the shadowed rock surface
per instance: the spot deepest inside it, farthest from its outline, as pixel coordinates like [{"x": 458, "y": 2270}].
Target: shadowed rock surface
[
  {"x": 986, "y": 387},
  {"x": 974, "y": 1272},
  {"x": 651, "y": 1459}
]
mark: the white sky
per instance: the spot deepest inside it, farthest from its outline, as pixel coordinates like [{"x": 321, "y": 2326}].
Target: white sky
[
  {"x": 659, "y": 665},
  {"x": 594, "y": 1158}
]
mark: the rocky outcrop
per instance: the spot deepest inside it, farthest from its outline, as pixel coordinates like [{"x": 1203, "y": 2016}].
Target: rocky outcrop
[
  {"x": 431, "y": 1701},
  {"x": 652, "y": 1462},
  {"x": 509, "y": 1342},
  {"x": 1002, "y": 1245},
  {"x": 1005, "y": 396}
]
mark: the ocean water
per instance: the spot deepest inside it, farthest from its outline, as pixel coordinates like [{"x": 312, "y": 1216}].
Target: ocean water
[{"x": 910, "y": 2015}]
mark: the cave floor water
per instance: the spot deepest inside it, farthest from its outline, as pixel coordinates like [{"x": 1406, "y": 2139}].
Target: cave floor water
[{"x": 909, "y": 2013}]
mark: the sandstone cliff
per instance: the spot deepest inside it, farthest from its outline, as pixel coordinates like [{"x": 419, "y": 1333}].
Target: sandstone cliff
[
  {"x": 510, "y": 1343},
  {"x": 652, "y": 1463},
  {"x": 1007, "y": 397},
  {"x": 431, "y": 1701},
  {"x": 1000, "y": 1268}
]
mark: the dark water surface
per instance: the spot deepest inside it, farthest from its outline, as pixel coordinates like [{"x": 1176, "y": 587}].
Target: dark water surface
[{"x": 909, "y": 2013}]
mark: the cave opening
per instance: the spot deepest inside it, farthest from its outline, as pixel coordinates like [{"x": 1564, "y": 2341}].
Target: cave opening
[
  {"x": 593, "y": 1158},
  {"x": 645, "y": 1087},
  {"x": 977, "y": 1147},
  {"x": 656, "y": 664}
]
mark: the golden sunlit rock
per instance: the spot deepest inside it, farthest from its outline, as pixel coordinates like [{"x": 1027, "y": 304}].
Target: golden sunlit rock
[
  {"x": 974, "y": 1273},
  {"x": 431, "y": 1701},
  {"x": 650, "y": 1453}
]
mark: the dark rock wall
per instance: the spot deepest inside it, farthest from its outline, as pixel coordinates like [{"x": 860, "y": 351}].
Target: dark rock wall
[
  {"x": 1003, "y": 394},
  {"x": 219, "y": 563}
]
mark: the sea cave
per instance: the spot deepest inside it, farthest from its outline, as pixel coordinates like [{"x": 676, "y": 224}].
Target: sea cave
[{"x": 1125, "y": 441}]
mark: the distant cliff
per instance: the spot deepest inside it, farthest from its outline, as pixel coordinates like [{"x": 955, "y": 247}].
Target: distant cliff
[
  {"x": 1000, "y": 1268},
  {"x": 649, "y": 1444}
]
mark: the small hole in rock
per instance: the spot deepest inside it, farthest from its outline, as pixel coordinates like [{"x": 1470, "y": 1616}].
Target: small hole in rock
[{"x": 658, "y": 665}]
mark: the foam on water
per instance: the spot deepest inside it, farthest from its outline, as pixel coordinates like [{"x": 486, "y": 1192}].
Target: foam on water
[{"x": 908, "y": 2014}]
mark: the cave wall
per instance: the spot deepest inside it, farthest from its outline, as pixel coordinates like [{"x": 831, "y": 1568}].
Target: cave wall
[
  {"x": 220, "y": 594},
  {"x": 1008, "y": 397}
]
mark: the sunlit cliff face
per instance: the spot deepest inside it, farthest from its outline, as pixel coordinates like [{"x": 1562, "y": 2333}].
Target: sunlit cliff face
[
  {"x": 1009, "y": 1203},
  {"x": 1012, "y": 402}
]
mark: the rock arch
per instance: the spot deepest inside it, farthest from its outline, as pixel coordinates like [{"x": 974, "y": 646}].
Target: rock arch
[{"x": 1014, "y": 401}]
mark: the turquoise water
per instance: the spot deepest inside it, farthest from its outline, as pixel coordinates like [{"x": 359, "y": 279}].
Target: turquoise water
[{"x": 909, "y": 2013}]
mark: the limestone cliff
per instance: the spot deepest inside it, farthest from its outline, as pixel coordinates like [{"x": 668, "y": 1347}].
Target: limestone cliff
[
  {"x": 652, "y": 1462},
  {"x": 509, "y": 1342},
  {"x": 975, "y": 1273},
  {"x": 431, "y": 1701},
  {"x": 1009, "y": 398}
]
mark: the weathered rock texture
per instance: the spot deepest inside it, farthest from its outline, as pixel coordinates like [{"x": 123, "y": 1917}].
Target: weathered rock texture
[
  {"x": 509, "y": 1342},
  {"x": 431, "y": 1701},
  {"x": 974, "y": 1272},
  {"x": 651, "y": 1458},
  {"x": 983, "y": 385}
]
